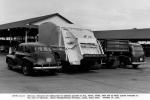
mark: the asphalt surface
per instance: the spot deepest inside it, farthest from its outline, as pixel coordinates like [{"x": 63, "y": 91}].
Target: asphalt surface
[{"x": 120, "y": 80}]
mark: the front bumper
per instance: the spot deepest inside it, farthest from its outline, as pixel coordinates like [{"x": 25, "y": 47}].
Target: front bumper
[
  {"x": 138, "y": 63},
  {"x": 47, "y": 68},
  {"x": 94, "y": 56},
  {"x": 138, "y": 60}
]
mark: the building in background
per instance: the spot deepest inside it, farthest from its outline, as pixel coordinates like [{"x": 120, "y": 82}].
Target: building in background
[{"x": 12, "y": 34}]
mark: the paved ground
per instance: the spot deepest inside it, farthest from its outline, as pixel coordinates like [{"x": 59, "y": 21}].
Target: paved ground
[{"x": 99, "y": 81}]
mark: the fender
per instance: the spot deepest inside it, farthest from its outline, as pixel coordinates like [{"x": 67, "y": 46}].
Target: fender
[
  {"x": 31, "y": 60},
  {"x": 61, "y": 54},
  {"x": 11, "y": 57}
]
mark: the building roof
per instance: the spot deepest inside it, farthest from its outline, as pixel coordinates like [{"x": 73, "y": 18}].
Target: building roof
[
  {"x": 27, "y": 22},
  {"x": 124, "y": 34}
]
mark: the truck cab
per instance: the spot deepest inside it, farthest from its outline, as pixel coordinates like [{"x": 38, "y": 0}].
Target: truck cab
[{"x": 137, "y": 53}]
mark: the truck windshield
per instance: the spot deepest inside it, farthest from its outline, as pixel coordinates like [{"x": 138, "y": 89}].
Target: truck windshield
[
  {"x": 89, "y": 48},
  {"x": 137, "y": 50}
]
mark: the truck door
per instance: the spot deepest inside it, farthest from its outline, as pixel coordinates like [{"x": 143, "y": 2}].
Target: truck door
[{"x": 71, "y": 47}]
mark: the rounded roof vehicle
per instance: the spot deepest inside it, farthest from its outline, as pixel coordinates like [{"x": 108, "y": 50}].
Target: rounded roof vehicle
[{"x": 33, "y": 56}]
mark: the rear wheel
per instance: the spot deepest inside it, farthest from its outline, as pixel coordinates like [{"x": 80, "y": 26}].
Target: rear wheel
[
  {"x": 86, "y": 65},
  {"x": 122, "y": 64},
  {"x": 65, "y": 66}
]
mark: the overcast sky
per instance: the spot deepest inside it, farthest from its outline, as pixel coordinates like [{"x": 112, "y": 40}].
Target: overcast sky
[{"x": 93, "y": 14}]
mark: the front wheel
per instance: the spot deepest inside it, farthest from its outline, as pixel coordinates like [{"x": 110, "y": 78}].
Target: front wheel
[
  {"x": 135, "y": 66},
  {"x": 27, "y": 70},
  {"x": 8, "y": 64},
  {"x": 9, "y": 67},
  {"x": 111, "y": 64}
]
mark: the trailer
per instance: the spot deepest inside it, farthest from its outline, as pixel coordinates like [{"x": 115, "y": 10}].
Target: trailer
[
  {"x": 73, "y": 45},
  {"x": 121, "y": 53}
]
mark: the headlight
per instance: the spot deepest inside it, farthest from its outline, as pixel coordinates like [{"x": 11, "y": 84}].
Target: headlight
[
  {"x": 141, "y": 59},
  {"x": 48, "y": 59}
]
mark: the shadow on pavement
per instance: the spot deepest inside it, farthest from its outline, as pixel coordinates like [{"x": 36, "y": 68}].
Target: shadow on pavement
[{"x": 36, "y": 74}]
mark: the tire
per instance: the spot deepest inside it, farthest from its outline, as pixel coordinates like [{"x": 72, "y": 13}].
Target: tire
[
  {"x": 26, "y": 69},
  {"x": 87, "y": 69},
  {"x": 8, "y": 64},
  {"x": 65, "y": 66},
  {"x": 86, "y": 65},
  {"x": 110, "y": 64},
  {"x": 135, "y": 66},
  {"x": 9, "y": 67},
  {"x": 122, "y": 64},
  {"x": 52, "y": 72}
]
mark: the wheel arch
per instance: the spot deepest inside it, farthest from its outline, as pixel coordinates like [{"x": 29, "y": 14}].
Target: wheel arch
[{"x": 28, "y": 60}]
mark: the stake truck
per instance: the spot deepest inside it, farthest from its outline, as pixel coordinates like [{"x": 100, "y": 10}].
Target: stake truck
[{"x": 73, "y": 45}]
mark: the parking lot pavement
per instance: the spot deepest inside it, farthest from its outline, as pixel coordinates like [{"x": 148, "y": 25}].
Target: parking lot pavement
[{"x": 120, "y": 80}]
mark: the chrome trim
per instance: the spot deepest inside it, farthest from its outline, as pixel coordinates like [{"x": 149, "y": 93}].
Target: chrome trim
[
  {"x": 138, "y": 63},
  {"x": 50, "y": 67}
]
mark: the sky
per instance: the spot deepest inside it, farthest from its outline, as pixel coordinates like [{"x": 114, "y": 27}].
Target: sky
[{"x": 93, "y": 14}]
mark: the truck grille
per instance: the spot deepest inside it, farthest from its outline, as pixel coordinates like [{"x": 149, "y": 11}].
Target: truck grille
[
  {"x": 45, "y": 65},
  {"x": 138, "y": 59}
]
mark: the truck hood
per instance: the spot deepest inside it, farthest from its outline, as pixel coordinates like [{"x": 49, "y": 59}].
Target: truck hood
[{"x": 138, "y": 53}]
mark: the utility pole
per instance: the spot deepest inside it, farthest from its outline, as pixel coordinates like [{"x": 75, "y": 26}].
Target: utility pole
[
  {"x": 26, "y": 36},
  {"x": 26, "y": 33}
]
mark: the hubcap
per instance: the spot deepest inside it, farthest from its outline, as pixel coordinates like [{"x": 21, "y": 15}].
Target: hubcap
[{"x": 25, "y": 70}]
